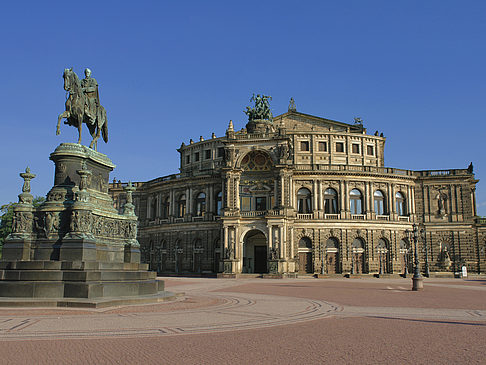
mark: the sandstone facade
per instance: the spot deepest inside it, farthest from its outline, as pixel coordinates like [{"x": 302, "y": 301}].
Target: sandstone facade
[{"x": 304, "y": 194}]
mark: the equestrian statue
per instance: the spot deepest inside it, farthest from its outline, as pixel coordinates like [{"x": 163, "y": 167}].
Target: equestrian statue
[{"x": 83, "y": 106}]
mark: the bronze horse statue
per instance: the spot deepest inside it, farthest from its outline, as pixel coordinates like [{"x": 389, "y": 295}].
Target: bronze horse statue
[{"x": 76, "y": 111}]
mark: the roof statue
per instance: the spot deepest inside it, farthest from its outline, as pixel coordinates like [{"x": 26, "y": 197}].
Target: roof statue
[
  {"x": 83, "y": 106},
  {"x": 261, "y": 110},
  {"x": 292, "y": 107}
]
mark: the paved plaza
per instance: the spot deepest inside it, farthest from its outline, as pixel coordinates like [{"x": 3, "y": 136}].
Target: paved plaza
[{"x": 263, "y": 321}]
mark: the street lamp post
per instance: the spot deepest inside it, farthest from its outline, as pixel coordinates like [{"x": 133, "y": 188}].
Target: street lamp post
[{"x": 417, "y": 279}]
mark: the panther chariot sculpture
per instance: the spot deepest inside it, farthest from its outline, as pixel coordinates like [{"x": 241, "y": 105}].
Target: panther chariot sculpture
[{"x": 83, "y": 106}]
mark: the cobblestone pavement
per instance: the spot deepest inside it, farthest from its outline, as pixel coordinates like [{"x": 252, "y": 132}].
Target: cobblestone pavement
[{"x": 263, "y": 321}]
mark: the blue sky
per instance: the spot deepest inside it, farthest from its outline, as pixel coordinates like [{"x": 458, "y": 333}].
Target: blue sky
[{"x": 170, "y": 71}]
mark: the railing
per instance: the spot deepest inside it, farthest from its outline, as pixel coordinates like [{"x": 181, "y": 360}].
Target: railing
[
  {"x": 331, "y": 216},
  {"x": 443, "y": 172},
  {"x": 255, "y": 213},
  {"x": 383, "y": 217},
  {"x": 404, "y": 219},
  {"x": 359, "y": 217},
  {"x": 178, "y": 220},
  {"x": 254, "y": 135},
  {"x": 198, "y": 218},
  {"x": 481, "y": 220},
  {"x": 335, "y": 168},
  {"x": 304, "y": 216}
]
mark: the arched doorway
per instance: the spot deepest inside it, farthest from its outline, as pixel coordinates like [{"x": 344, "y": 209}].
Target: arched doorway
[
  {"x": 332, "y": 256},
  {"x": 255, "y": 252},
  {"x": 384, "y": 256},
  {"x": 305, "y": 256},
  {"x": 357, "y": 257},
  {"x": 405, "y": 257}
]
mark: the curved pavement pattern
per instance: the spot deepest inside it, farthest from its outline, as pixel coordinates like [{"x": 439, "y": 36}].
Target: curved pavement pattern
[{"x": 229, "y": 312}]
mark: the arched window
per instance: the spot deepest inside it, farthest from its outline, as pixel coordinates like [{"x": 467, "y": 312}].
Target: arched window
[
  {"x": 153, "y": 207},
  {"x": 200, "y": 205},
  {"x": 219, "y": 203},
  {"x": 382, "y": 245},
  {"x": 357, "y": 244},
  {"x": 305, "y": 242},
  {"x": 379, "y": 202},
  {"x": 356, "y": 201},
  {"x": 330, "y": 201},
  {"x": 181, "y": 206},
  {"x": 166, "y": 208},
  {"x": 304, "y": 201},
  {"x": 400, "y": 201},
  {"x": 332, "y": 243}
]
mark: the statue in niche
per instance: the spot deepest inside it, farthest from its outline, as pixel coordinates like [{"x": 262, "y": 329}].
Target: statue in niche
[
  {"x": 445, "y": 258},
  {"x": 441, "y": 204}
]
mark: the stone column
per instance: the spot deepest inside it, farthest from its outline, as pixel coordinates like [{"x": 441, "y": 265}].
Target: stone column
[
  {"x": 366, "y": 199},
  {"x": 346, "y": 200},
  {"x": 342, "y": 202},
  {"x": 321, "y": 196},
  {"x": 211, "y": 206},
  {"x": 188, "y": 202},
  {"x": 409, "y": 202},
  {"x": 237, "y": 191},
  {"x": 291, "y": 192},
  {"x": 208, "y": 201},
  {"x": 225, "y": 238},
  {"x": 391, "y": 200},
  {"x": 281, "y": 242},
  {"x": 172, "y": 210}
]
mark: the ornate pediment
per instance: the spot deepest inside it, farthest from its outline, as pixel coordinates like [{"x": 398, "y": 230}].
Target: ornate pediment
[{"x": 299, "y": 121}]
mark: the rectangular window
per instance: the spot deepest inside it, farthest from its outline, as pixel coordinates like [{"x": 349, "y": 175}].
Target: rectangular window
[
  {"x": 196, "y": 156},
  {"x": 260, "y": 203},
  {"x": 245, "y": 203},
  {"x": 304, "y": 145},
  {"x": 339, "y": 146},
  {"x": 220, "y": 151},
  {"x": 208, "y": 154},
  {"x": 188, "y": 159},
  {"x": 322, "y": 147},
  {"x": 370, "y": 150},
  {"x": 355, "y": 148}
]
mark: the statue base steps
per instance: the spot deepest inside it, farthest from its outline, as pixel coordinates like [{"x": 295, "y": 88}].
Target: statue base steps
[
  {"x": 89, "y": 303},
  {"x": 64, "y": 279}
]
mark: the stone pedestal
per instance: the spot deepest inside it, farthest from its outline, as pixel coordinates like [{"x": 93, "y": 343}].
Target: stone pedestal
[
  {"x": 230, "y": 266},
  {"x": 75, "y": 245},
  {"x": 260, "y": 126}
]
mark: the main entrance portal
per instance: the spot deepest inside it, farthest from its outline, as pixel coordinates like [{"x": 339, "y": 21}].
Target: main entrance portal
[{"x": 255, "y": 252}]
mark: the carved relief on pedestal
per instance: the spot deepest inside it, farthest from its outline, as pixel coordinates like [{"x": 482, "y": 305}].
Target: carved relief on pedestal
[
  {"x": 47, "y": 223},
  {"x": 22, "y": 222}
]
